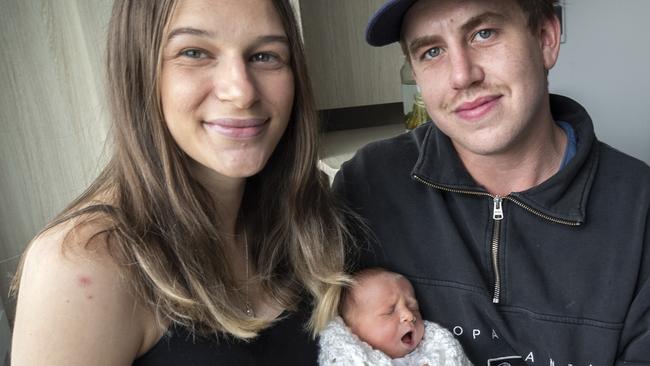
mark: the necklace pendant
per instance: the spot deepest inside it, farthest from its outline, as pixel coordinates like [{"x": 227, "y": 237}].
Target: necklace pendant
[{"x": 249, "y": 311}]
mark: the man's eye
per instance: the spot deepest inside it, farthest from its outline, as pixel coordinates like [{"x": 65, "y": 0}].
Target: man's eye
[
  {"x": 432, "y": 53},
  {"x": 193, "y": 53},
  {"x": 484, "y": 34}
]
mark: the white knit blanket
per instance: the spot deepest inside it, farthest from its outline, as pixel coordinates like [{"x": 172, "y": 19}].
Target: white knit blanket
[{"x": 339, "y": 346}]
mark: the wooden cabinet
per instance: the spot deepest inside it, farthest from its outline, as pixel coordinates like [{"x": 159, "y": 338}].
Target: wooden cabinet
[
  {"x": 357, "y": 84},
  {"x": 344, "y": 69}
]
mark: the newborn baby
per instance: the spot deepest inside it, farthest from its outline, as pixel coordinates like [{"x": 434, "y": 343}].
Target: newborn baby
[{"x": 381, "y": 325}]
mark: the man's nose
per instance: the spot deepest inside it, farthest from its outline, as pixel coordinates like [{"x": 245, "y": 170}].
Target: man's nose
[
  {"x": 234, "y": 84},
  {"x": 464, "y": 70}
]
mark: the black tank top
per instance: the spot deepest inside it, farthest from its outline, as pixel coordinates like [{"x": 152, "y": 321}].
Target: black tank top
[{"x": 284, "y": 343}]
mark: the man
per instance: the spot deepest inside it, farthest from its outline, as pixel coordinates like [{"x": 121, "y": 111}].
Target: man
[{"x": 522, "y": 233}]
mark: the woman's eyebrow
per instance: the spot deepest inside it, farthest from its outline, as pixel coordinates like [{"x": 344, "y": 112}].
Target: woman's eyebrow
[
  {"x": 189, "y": 30},
  {"x": 271, "y": 39}
]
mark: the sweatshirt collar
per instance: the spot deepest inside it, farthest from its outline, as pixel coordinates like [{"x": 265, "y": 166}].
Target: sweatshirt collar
[{"x": 563, "y": 196}]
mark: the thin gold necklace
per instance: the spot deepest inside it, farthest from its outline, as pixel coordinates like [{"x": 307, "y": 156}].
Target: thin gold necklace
[{"x": 247, "y": 306}]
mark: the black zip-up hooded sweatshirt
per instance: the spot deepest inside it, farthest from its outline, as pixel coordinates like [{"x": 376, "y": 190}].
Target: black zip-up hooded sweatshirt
[{"x": 555, "y": 275}]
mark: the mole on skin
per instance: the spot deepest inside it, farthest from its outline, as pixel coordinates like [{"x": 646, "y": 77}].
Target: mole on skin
[{"x": 84, "y": 281}]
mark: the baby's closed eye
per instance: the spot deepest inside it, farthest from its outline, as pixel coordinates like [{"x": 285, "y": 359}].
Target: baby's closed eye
[{"x": 389, "y": 311}]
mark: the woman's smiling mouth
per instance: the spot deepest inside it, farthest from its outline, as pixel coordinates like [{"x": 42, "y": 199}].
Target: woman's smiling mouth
[{"x": 237, "y": 128}]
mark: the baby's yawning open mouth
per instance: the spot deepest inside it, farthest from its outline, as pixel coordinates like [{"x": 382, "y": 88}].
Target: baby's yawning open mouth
[{"x": 408, "y": 337}]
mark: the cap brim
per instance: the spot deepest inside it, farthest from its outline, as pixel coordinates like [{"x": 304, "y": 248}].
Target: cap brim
[{"x": 385, "y": 25}]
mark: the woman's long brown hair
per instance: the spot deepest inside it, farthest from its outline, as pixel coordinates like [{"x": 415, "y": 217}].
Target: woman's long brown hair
[{"x": 160, "y": 224}]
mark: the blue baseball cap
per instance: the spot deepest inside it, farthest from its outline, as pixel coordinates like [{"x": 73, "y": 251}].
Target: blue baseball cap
[{"x": 386, "y": 25}]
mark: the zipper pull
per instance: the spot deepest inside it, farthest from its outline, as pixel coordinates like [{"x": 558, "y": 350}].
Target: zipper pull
[{"x": 498, "y": 211}]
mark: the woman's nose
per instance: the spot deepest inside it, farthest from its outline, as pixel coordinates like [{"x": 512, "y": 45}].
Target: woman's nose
[{"x": 233, "y": 84}]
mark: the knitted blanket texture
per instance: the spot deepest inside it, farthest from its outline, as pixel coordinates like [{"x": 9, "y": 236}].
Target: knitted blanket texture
[{"x": 340, "y": 347}]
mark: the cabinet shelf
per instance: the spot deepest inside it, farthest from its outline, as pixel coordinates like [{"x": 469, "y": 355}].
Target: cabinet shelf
[{"x": 340, "y": 146}]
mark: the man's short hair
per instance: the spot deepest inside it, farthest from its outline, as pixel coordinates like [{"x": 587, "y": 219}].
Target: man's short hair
[{"x": 537, "y": 11}]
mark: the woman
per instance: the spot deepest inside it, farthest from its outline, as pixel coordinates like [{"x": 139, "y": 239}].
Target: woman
[{"x": 211, "y": 232}]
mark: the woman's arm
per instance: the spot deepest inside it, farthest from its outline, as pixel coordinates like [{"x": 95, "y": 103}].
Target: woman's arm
[{"x": 74, "y": 307}]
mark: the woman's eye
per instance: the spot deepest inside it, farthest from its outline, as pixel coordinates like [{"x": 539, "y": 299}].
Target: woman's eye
[
  {"x": 484, "y": 34},
  {"x": 432, "y": 53},
  {"x": 193, "y": 53},
  {"x": 263, "y": 57}
]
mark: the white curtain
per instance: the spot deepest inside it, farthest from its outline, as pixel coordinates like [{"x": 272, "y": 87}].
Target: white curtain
[{"x": 53, "y": 120}]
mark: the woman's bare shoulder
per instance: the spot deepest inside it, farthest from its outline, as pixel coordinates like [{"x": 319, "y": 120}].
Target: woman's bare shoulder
[
  {"x": 74, "y": 305},
  {"x": 75, "y": 246}
]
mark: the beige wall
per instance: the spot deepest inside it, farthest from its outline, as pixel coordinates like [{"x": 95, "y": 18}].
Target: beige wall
[{"x": 52, "y": 114}]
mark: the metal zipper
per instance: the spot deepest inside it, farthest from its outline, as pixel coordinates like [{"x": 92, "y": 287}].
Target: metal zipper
[
  {"x": 509, "y": 198},
  {"x": 453, "y": 190},
  {"x": 544, "y": 216},
  {"x": 497, "y": 216}
]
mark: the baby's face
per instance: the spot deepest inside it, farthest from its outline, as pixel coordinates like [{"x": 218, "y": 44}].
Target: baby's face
[{"x": 384, "y": 313}]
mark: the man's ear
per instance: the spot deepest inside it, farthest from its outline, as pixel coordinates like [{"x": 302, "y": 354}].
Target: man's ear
[{"x": 549, "y": 39}]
